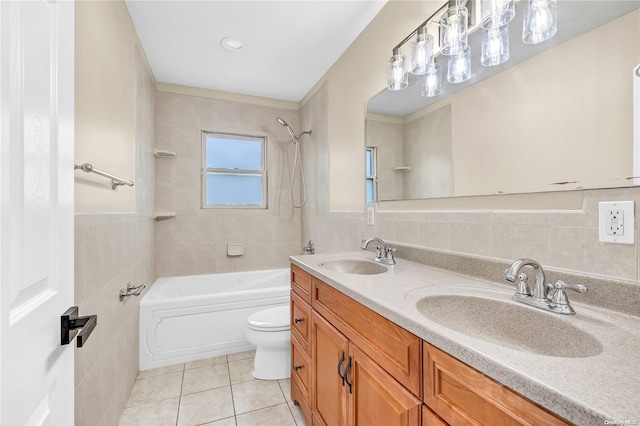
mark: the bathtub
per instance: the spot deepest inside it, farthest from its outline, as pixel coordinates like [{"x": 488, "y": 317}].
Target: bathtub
[{"x": 194, "y": 317}]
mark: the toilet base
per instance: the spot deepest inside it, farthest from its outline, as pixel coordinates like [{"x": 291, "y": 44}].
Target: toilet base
[{"x": 272, "y": 364}]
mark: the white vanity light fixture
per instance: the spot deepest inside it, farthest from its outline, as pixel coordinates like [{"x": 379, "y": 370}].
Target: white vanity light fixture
[
  {"x": 497, "y": 13},
  {"x": 454, "y": 30},
  {"x": 495, "y": 45},
  {"x": 540, "y": 21},
  {"x": 432, "y": 81},
  {"x": 398, "y": 77},
  {"x": 455, "y": 19},
  {"x": 421, "y": 51},
  {"x": 459, "y": 66}
]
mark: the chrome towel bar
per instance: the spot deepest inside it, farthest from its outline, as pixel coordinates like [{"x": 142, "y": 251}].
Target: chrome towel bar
[{"x": 115, "y": 180}]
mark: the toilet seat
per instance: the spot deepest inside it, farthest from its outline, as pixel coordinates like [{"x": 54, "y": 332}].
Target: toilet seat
[{"x": 270, "y": 320}]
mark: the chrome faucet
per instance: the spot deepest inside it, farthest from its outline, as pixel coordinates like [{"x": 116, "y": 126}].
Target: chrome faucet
[
  {"x": 558, "y": 301},
  {"x": 511, "y": 273},
  {"x": 384, "y": 254},
  {"x": 309, "y": 248}
]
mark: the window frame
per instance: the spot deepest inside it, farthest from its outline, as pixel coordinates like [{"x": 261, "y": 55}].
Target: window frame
[
  {"x": 204, "y": 170},
  {"x": 374, "y": 176}
]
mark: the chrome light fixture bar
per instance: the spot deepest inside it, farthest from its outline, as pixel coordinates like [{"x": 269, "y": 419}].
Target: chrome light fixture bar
[{"x": 454, "y": 20}]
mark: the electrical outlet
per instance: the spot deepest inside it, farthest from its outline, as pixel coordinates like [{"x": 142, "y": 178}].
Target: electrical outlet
[
  {"x": 371, "y": 216},
  {"x": 616, "y": 222}
]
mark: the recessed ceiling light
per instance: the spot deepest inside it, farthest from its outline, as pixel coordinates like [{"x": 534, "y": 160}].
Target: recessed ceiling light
[{"x": 231, "y": 44}]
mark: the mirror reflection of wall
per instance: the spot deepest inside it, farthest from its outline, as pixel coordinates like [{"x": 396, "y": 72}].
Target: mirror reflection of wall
[
  {"x": 560, "y": 120},
  {"x": 414, "y": 159}
]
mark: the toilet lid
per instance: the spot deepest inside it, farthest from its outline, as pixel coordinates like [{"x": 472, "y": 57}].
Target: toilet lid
[{"x": 270, "y": 319}]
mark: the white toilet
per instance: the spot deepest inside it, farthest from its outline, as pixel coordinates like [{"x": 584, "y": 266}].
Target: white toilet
[{"x": 269, "y": 331}]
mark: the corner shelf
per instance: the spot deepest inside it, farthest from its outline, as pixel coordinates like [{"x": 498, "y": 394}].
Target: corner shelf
[
  {"x": 402, "y": 169},
  {"x": 164, "y": 215},
  {"x": 161, "y": 153}
]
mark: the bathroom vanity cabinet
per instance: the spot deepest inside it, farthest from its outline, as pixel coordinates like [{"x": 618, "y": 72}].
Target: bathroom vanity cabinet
[{"x": 352, "y": 366}]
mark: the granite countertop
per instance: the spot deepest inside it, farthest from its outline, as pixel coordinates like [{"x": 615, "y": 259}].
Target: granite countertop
[{"x": 588, "y": 390}]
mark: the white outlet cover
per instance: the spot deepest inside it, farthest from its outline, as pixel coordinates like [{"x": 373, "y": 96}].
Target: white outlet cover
[
  {"x": 371, "y": 215},
  {"x": 628, "y": 224}
]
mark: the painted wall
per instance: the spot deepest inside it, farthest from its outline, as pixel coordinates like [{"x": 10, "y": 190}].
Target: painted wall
[
  {"x": 561, "y": 102},
  {"x": 105, "y": 128},
  {"x": 112, "y": 249},
  {"x": 195, "y": 241}
]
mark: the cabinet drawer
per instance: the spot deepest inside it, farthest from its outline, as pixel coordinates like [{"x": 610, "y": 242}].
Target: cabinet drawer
[
  {"x": 463, "y": 396},
  {"x": 300, "y": 367},
  {"x": 300, "y": 321},
  {"x": 299, "y": 399},
  {"x": 301, "y": 283},
  {"x": 395, "y": 349}
]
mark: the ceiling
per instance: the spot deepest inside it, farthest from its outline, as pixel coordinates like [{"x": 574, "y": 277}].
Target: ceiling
[{"x": 290, "y": 45}]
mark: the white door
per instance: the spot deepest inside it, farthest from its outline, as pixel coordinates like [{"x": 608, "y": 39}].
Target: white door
[{"x": 36, "y": 211}]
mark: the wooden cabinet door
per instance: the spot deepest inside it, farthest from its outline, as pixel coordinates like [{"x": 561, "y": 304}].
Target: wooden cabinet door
[
  {"x": 463, "y": 396},
  {"x": 329, "y": 395},
  {"x": 376, "y": 398},
  {"x": 396, "y": 350}
]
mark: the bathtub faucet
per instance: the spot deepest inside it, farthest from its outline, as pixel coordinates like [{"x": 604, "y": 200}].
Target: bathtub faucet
[
  {"x": 309, "y": 248},
  {"x": 384, "y": 255}
]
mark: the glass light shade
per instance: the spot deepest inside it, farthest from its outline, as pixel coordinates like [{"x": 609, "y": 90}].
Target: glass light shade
[
  {"x": 454, "y": 30},
  {"x": 398, "y": 77},
  {"x": 459, "y": 66},
  {"x": 432, "y": 81},
  {"x": 496, "y": 13},
  {"x": 495, "y": 46},
  {"x": 540, "y": 21},
  {"x": 421, "y": 53}
]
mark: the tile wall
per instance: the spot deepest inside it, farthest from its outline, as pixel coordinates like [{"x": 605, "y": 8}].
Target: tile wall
[
  {"x": 111, "y": 250},
  {"x": 195, "y": 242}
]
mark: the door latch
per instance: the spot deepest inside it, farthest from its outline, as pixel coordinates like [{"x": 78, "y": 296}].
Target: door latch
[{"x": 71, "y": 325}]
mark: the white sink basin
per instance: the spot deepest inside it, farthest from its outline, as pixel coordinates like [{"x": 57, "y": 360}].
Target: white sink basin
[{"x": 353, "y": 266}]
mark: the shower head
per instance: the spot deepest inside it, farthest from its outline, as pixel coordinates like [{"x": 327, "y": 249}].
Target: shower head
[{"x": 293, "y": 135}]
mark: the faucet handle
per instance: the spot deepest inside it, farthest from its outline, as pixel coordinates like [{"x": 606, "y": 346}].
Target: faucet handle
[
  {"x": 378, "y": 252},
  {"x": 560, "y": 296},
  {"x": 559, "y": 285},
  {"x": 388, "y": 255},
  {"x": 522, "y": 287}
]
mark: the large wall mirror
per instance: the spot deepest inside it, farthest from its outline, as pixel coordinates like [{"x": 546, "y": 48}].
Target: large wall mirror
[{"x": 556, "y": 116}]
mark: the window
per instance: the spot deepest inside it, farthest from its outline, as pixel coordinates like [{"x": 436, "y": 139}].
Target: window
[
  {"x": 370, "y": 170},
  {"x": 234, "y": 172}
]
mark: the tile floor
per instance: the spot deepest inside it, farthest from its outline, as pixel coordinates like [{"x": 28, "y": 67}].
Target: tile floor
[{"x": 218, "y": 392}]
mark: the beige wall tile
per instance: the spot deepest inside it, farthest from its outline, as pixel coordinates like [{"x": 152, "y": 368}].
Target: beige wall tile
[{"x": 196, "y": 243}]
